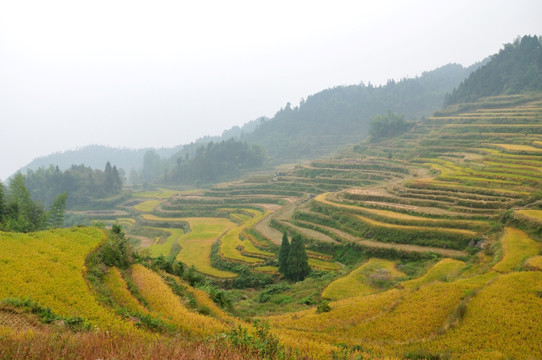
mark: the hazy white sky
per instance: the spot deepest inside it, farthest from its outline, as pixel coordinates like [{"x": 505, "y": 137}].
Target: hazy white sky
[{"x": 162, "y": 73}]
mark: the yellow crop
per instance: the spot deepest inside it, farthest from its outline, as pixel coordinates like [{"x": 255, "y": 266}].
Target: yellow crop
[
  {"x": 533, "y": 215},
  {"x": 504, "y": 316},
  {"x": 147, "y": 206},
  {"x": 152, "y": 217},
  {"x": 412, "y": 227},
  {"x": 231, "y": 242},
  {"x": 162, "y": 300},
  {"x": 358, "y": 282},
  {"x": 445, "y": 269},
  {"x": 513, "y": 147},
  {"x": 517, "y": 246},
  {"x": 161, "y": 193},
  {"x": 121, "y": 295},
  {"x": 48, "y": 268},
  {"x": 534, "y": 263}
]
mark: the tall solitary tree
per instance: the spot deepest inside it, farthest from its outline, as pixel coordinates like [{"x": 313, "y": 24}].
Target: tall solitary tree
[
  {"x": 298, "y": 261},
  {"x": 283, "y": 254}
]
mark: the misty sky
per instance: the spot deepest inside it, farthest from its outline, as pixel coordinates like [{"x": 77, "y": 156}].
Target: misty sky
[{"x": 162, "y": 73}]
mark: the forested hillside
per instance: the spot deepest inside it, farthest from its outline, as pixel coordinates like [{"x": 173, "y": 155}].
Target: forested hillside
[
  {"x": 516, "y": 68},
  {"x": 338, "y": 116},
  {"x": 82, "y": 184}
]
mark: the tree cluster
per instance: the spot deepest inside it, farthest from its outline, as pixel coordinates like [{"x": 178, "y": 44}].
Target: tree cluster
[
  {"x": 215, "y": 162},
  {"x": 293, "y": 260},
  {"x": 19, "y": 213},
  {"x": 386, "y": 126},
  {"x": 82, "y": 184},
  {"x": 515, "y": 69},
  {"x": 339, "y": 116}
]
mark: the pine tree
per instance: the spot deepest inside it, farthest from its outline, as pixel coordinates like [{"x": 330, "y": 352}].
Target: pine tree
[
  {"x": 298, "y": 262},
  {"x": 283, "y": 254}
]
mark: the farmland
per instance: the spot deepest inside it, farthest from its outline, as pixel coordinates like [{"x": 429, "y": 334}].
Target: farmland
[{"x": 418, "y": 244}]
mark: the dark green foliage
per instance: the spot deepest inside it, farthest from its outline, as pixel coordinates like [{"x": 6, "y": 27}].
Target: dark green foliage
[
  {"x": 116, "y": 250},
  {"x": 323, "y": 307},
  {"x": 152, "y": 166},
  {"x": 3, "y": 208},
  {"x": 21, "y": 213},
  {"x": 82, "y": 184},
  {"x": 298, "y": 262},
  {"x": 215, "y": 162},
  {"x": 56, "y": 212},
  {"x": 339, "y": 116},
  {"x": 246, "y": 279},
  {"x": 169, "y": 265},
  {"x": 283, "y": 254},
  {"x": 386, "y": 126},
  {"x": 265, "y": 295},
  {"x": 515, "y": 69}
]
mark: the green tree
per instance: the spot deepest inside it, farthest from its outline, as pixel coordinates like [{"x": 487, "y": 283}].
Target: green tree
[
  {"x": 24, "y": 215},
  {"x": 283, "y": 254},
  {"x": 116, "y": 250},
  {"x": 386, "y": 126},
  {"x": 298, "y": 262},
  {"x": 56, "y": 212},
  {"x": 2, "y": 205}
]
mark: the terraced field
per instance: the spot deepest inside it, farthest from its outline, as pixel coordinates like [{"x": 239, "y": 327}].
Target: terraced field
[{"x": 420, "y": 243}]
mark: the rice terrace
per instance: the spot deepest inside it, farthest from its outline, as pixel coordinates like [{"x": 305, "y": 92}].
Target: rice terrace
[{"x": 420, "y": 240}]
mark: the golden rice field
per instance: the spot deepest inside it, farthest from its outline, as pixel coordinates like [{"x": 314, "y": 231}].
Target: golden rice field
[
  {"x": 153, "y": 217},
  {"x": 445, "y": 269},
  {"x": 503, "y": 317},
  {"x": 414, "y": 227},
  {"x": 121, "y": 296},
  {"x": 147, "y": 206},
  {"x": 323, "y": 265},
  {"x": 363, "y": 280},
  {"x": 161, "y": 193},
  {"x": 231, "y": 242},
  {"x": 162, "y": 300},
  {"x": 196, "y": 245},
  {"x": 516, "y": 247},
  {"x": 48, "y": 268},
  {"x": 203, "y": 299},
  {"x": 532, "y": 215},
  {"x": 534, "y": 263},
  {"x": 520, "y": 148}
]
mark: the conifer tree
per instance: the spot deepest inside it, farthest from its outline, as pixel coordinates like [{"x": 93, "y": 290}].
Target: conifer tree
[
  {"x": 283, "y": 254},
  {"x": 298, "y": 262}
]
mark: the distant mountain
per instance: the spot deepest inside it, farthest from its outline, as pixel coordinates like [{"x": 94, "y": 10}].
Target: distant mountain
[
  {"x": 515, "y": 69},
  {"x": 95, "y": 156},
  {"x": 338, "y": 116}
]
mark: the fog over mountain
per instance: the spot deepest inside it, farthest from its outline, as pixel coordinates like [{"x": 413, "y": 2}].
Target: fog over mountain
[{"x": 127, "y": 75}]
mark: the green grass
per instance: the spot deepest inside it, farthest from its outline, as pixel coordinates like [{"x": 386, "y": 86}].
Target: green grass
[
  {"x": 196, "y": 245},
  {"x": 163, "y": 247}
]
